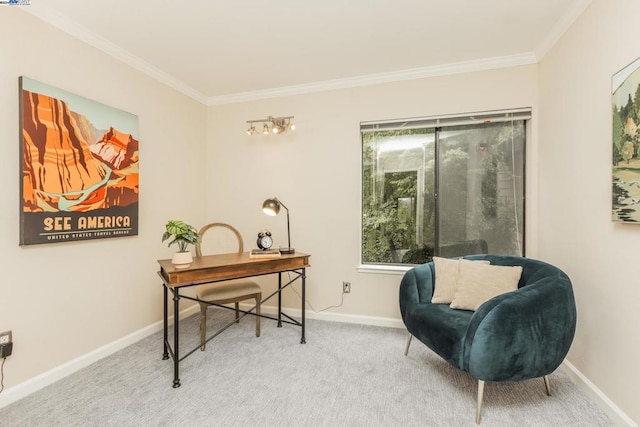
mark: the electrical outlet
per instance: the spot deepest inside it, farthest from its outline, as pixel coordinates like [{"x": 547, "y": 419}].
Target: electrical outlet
[
  {"x": 5, "y": 337},
  {"x": 346, "y": 287},
  {"x": 6, "y": 345}
]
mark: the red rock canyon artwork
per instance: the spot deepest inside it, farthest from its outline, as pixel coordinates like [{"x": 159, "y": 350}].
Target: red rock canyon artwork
[{"x": 79, "y": 167}]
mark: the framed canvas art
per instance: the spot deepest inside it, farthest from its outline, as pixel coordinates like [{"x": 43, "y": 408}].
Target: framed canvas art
[
  {"x": 79, "y": 167},
  {"x": 626, "y": 144}
]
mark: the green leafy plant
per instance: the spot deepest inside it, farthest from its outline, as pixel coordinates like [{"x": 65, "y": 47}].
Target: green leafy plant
[{"x": 183, "y": 234}]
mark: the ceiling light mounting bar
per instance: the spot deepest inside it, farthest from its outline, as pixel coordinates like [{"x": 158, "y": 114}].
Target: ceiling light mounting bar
[{"x": 272, "y": 124}]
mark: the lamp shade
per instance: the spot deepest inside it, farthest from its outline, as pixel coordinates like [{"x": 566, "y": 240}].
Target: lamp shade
[{"x": 271, "y": 206}]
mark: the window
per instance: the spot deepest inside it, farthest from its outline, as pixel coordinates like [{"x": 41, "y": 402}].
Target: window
[{"x": 447, "y": 186}]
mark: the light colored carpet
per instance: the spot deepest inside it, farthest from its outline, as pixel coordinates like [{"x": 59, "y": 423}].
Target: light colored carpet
[{"x": 346, "y": 375}]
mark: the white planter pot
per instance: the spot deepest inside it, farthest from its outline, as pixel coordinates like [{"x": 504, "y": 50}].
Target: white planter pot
[{"x": 182, "y": 259}]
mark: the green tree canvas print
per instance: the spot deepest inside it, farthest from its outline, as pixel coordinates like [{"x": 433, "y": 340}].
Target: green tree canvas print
[{"x": 626, "y": 144}]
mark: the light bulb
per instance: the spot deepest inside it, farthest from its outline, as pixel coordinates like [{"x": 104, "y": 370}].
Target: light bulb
[{"x": 265, "y": 129}]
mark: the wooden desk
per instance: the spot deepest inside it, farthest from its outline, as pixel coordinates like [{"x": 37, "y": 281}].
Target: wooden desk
[{"x": 217, "y": 268}]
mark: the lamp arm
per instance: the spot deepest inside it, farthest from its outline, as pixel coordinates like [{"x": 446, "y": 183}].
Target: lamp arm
[{"x": 288, "y": 229}]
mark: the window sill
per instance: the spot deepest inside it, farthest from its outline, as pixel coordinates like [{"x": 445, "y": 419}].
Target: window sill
[{"x": 384, "y": 269}]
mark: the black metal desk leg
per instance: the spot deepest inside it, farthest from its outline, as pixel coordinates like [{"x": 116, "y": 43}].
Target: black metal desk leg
[
  {"x": 165, "y": 354},
  {"x": 176, "y": 335},
  {"x": 303, "y": 340},
  {"x": 279, "y": 300}
]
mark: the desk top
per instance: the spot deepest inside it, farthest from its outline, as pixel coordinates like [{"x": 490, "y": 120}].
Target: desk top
[{"x": 213, "y": 268}]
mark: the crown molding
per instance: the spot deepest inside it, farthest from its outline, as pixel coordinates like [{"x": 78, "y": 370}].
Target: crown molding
[
  {"x": 561, "y": 27},
  {"x": 373, "y": 79},
  {"x": 76, "y": 30}
]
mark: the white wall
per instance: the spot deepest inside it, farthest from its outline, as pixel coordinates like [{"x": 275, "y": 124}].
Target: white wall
[
  {"x": 64, "y": 300},
  {"x": 576, "y": 231},
  {"x": 319, "y": 164}
]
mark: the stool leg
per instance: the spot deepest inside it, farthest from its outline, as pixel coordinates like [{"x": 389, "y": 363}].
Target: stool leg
[{"x": 237, "y": 312}]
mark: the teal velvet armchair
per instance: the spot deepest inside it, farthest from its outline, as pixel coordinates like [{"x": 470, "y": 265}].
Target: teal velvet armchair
[{"x": 515, "y": 336}]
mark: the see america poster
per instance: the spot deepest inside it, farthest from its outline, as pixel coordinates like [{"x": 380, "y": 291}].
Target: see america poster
[{"x": 79, "y": 167}]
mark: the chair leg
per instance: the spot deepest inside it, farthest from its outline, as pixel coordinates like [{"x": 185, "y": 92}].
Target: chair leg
[
  {"x": 258, "y": 298},
  {"x": 203, "y": 325},
  {"x": 480, "y": 396},
  {"x": 237, "y": 312},
  {"x": 406, "y": 349},
  {"x": 547, "y": 385}
]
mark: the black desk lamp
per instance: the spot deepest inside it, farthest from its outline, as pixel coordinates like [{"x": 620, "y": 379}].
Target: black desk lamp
[{"x": 272, "y": 207}]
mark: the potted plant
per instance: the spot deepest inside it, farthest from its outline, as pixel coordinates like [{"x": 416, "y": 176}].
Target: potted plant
[{"x": 183, "y": 235}]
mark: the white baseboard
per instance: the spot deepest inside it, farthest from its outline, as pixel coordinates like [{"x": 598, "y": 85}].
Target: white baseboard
[
  {"x": 34, "y": 384},
  {"x": 361, "y": 320},
  {"x": 333, "y": 317},
  {"x": 615, "y": 414}
]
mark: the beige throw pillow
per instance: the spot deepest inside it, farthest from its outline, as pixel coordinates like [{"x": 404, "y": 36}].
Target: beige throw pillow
[
  {"x": 447, "y": 279},
  {"x": 478, "y": 283}
]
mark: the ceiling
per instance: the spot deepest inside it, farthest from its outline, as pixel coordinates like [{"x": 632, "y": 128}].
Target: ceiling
[{"x": 224, "y": 51}]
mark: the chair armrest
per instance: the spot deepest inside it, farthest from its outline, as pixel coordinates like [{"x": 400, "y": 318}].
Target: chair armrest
[
  {"x": 521, "y": 334},
  {"x": 416, "y": 287}
]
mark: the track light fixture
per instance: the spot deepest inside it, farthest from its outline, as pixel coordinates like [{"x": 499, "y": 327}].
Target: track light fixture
[{"x": 275, "y": 125}]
